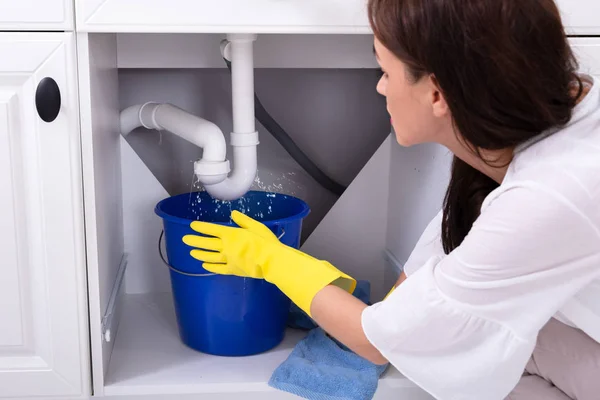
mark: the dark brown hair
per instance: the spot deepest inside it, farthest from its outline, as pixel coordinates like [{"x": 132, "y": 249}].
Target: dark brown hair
[{"x": 505, "y": 69}]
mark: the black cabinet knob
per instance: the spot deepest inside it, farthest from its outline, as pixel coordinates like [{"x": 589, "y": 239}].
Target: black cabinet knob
[{"x": 47, "y": 99}]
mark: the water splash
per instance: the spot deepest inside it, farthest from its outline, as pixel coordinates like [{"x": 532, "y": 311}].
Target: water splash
[
  {"x": 202, "y": 207},
  {"x": 282, "y": 182},
  {"x": 195, "y": 208}
]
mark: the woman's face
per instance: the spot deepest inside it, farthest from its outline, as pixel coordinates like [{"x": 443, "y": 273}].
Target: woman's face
[{"x": 418, "y": 110}]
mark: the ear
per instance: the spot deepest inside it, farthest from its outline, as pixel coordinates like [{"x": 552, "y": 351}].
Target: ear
[{"x": 438, "y": 101}]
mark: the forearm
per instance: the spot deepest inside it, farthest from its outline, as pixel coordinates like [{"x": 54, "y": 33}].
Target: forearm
[
  {"x": 339, "y": 314},
  {"x": 401, "y": 279}
]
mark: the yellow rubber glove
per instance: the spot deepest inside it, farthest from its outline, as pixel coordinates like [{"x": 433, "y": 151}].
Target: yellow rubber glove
[
  {"x": 252, "y": 250},
  {"x": 389, "y": 293}
]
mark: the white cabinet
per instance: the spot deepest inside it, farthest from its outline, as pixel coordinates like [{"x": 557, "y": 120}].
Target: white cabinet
[
  {"x": 581, "y": 17},
  {"x": 43, "y": 337},
  {"x": 145, "y": 357},
  {"x": 587, "y": 51},
  {"x": 47, "y": 296},
  {"x": 264, "y": 16},
  {"x": 230, "y": 16},
  {"x": 36, "y": 15}
]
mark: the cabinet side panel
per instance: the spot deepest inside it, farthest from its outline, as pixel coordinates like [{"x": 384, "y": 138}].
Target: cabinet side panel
[{"x": 102, "y": 183}]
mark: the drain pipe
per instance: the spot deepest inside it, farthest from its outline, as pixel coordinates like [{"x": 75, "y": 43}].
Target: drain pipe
[
  {"x": 213, "y": 169},
  {"x": 244, "y": 137}
]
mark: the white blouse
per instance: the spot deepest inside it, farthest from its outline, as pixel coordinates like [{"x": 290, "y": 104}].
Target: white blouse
[{"x": 464, "y": 325}]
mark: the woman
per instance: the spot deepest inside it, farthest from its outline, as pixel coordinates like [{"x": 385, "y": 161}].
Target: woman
[{"x": 513, "y": 259}]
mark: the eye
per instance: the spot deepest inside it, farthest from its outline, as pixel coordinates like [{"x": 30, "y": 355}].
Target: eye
[{"x": 382, "y": 73}]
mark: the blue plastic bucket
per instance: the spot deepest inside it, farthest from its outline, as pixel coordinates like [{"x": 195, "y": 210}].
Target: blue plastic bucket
[{"x": 227, "y": 315}]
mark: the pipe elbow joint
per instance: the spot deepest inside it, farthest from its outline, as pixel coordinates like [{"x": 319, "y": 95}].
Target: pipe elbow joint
[
  {"x": 214, "y": 146},
  {"x": 231, "y": 188},
  {"x": 136, "y": 116},
  {"x": 243, "y": 176}
]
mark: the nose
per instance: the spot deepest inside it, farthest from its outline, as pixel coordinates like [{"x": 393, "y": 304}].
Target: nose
[{"x": 381, "y": 86}]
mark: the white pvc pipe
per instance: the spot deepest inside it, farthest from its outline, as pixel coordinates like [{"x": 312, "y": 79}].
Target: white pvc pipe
[
  {"x": 241, "y": 179},
  {"x": 198, "y": 131},
  {"x": 244, "y": 138},
  {"x": 213, "y": 168},
  {"x": 130, "y": 119},
  {"x": 242, "y": 83}
]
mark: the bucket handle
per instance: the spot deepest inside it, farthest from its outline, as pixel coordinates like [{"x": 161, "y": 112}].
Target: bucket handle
[
  {"x": 164, "y": 260},
  {"x": 162, "y": 256},
  {"x": 281, "y": 232}
]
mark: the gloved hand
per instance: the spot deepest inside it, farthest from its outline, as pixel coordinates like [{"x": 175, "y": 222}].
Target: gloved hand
[{"x": 252, "y": 250}]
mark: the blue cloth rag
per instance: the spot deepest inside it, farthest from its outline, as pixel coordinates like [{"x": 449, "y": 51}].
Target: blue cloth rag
[{"x": 321, "y": 368}]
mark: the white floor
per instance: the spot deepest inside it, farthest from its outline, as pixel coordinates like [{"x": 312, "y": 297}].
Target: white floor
[{"x": 149, "y": 359}]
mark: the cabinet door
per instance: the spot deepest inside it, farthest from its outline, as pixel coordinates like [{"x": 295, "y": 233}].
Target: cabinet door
[
  {"x": 223, "y": 16},
  {"x": 36, "y": 15},
  {"x": 43, "y": 335}
]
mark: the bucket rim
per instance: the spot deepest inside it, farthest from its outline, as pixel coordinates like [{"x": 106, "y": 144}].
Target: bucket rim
[{"x": 274, "y": 222}]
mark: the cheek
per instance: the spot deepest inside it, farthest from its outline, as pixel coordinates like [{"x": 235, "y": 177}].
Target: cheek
[
  {"x": 408, "y": 116},
  {"x": 397, "y": 101}
]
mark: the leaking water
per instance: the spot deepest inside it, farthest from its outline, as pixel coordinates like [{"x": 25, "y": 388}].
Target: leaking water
[
  {"x": 202, "y": 207},
  {"x": 196, "y": 189},
  {"x": 280, "y": 182}
]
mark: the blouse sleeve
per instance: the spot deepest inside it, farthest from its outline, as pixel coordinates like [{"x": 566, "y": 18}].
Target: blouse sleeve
[
  {"x": 428, "y": 245},
  {"x": 464, "y": 326}
]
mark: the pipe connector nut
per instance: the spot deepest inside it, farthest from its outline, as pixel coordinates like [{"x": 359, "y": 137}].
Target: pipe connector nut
[
  {"x": 244, "y": 139},
  {"x": 211, "y": 172}
]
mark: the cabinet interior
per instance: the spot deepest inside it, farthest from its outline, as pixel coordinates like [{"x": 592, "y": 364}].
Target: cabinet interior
[
  {"x": 135, "y": 345},
  {"x": 300, "y": 79}
]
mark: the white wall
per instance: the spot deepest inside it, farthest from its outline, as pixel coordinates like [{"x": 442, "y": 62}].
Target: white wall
[
  {"x": 371, "y": 230},
  {"x": 418, "y": 180},
  {"x": 141, "y": 226},
  {"x": 352, "y": 235},
  {"x": 334, "y": 115}
]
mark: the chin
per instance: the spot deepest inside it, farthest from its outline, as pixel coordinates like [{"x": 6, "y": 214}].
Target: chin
[{"x": 403, "y": 141}]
